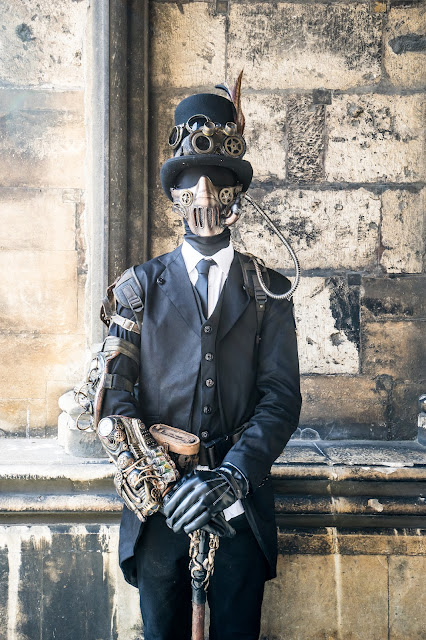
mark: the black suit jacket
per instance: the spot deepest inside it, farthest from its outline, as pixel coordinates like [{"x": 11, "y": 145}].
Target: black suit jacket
[{"x": 260, "y": 386}]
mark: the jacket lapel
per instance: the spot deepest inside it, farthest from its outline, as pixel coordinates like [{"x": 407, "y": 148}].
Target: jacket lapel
[
  {"x": 178, "y": 288},
  {"x": 235, "y": 299}
]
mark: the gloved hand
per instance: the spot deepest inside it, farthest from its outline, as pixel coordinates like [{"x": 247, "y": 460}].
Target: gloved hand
[
  {"x": 218, "y": 526},
  {"x": 200, "y": 495}
]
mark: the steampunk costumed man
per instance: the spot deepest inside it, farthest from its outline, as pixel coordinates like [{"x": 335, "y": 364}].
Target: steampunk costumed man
[{"x": 215, "y": 360}]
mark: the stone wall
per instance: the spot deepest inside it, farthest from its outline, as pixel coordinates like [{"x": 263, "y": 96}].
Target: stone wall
[
  {"x": 329, "y": 586},
  {"x": 333, "y": 95},
  {"x": 42, "y": 196}
]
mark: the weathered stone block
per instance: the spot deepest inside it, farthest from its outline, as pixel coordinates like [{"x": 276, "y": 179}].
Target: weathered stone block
[
  {"x": 330, "y": 590},
  {"x": 309, "y": 582},
  {"x": 407, "y": 598},
  {"x": 405, "y": 44},
  {"x": 42, "y": 43},
  {"x": 177, "y": 58},
  {"x": 47, "y": 573},
  {"x": 4, "y": 579},
  {"x": 42, "y": 138},
  {"x": 29, "y": 360},
  {"x": 166, "y": 227},
  {"x": 327, "y": 330},
  {"x": 382, "y": 542},
  {"x": 293, "y": 45},
  {"x": 39, "y": 292},
  {"x": 364, "y": 542},
  {"x": 341, "y": 407},
  {"x": 394, "y": 349},
  {"x": 375, "y": 138},
  {"x": 404, "y": 409},
  {"x": 361, "y": 586},
  {"x": 402, "y": 235},
  {"x": 22, "y": 417},
  {"x": 265, "y": 134},
  {"x": 36, "y": 220},
  {"x": 161, "y": 123},
  {"x": 393, "y": 298},
  {"x": 67, "y": 584},
  {"x": 29, "y": 622},
  {"x": 305, "y": 140},
  {"x": 327, "y": 229}
]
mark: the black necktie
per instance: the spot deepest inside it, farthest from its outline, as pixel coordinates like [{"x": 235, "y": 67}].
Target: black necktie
[{"x": 203, "y": 282}]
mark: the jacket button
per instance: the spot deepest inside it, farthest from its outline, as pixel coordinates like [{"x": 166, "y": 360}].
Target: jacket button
[
  {"x": 209, "y": 382},
  {"x": 209, "y": 357},
  {"x": 207, "y": 329},
  {"x": 204, "y": 435},
  {"x": 207, "y": 409},
  {"x": 160, "y": 280}
]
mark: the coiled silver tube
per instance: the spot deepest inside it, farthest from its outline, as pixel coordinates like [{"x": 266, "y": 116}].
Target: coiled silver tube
[{"x": 283, "y": 296}]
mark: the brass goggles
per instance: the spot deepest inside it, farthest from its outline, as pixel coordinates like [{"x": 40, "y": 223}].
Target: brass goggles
[{"x": 207, "y": 138}]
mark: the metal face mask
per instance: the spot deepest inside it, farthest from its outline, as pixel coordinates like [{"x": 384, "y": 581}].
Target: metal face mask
[{"x": 208, "y": 209}]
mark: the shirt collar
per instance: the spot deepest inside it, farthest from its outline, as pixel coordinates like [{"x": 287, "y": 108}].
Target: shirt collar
[{"x": 192, "y": 257}]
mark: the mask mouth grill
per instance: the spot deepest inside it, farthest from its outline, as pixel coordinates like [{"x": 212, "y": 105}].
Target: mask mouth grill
[
  {"x": 206, "y": 216},
  {"x": 198, "y": 217},
  {"x": 210, "y": 218}
]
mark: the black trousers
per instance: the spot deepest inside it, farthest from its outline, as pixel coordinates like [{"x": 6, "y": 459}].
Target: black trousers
[{"x": 235, "y": 593}]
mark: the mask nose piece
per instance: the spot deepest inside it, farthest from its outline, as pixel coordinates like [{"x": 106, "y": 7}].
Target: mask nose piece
[{"x": 204, "y": 187}]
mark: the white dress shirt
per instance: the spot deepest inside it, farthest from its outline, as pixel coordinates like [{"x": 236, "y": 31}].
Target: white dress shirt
[{"x": 218, "y": 273}]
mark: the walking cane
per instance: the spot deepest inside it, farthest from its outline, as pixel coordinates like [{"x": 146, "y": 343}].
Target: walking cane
[
  {"x": 183, "y": 447},
  {"x": 202, "y": 549}
]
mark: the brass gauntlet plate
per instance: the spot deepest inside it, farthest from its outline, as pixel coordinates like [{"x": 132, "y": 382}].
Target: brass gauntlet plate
[{"x": 144, "y": 468}]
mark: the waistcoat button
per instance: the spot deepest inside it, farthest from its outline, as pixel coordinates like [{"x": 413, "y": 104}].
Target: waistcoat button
[
  {"x": 209, "y": 382},
  {"x": 207, "y": 329},
  {"x": 209, "y": 357},
  {"x": 160, "y": 280},
  {"x": 204, "y": 435},
  {"x": 207, "y": 409}
]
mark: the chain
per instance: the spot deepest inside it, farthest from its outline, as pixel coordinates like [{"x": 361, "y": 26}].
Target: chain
[{"x": 207, "y": 566}]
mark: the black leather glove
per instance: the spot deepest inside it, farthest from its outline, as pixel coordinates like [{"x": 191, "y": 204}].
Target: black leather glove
[
  {"x": 199, "y": 496},
  {"x": 218, "y": 526}
]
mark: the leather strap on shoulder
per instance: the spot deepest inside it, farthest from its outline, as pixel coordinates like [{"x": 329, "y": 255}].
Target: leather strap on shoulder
[
  {"x": 126, "y": 290},
  {"x": 253, "y": 288}
]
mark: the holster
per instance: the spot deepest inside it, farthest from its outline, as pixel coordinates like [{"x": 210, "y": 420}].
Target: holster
[{"x": 213, "y": 452}]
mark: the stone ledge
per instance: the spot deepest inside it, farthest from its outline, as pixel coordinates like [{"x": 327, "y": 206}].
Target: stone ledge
[
  {"x": 355, "y": 484},
  {"x": 332, "y": 540}
]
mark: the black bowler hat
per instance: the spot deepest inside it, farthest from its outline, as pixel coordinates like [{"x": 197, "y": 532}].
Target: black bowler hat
[{"x": 198, "y": 143}]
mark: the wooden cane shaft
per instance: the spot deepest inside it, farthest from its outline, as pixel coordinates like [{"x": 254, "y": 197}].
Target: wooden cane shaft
[{"x": 198, "y": 615}]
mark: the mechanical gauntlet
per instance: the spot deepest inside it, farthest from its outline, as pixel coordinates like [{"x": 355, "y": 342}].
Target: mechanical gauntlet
[{"x": 144, "y": 469}]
